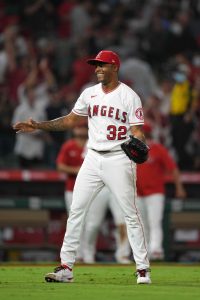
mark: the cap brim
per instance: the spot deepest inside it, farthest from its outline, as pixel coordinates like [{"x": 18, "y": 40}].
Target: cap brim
[{"x": 95, "y": 61}]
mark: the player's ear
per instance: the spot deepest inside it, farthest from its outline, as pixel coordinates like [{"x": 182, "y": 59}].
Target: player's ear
[{"x": 115, "y": 68}]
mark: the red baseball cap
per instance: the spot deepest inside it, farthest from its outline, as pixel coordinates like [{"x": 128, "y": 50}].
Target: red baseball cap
[{"x": 105, "y": 56}]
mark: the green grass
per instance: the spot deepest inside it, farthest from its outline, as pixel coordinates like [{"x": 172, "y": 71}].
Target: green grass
[{"x": 100, "y": 282}]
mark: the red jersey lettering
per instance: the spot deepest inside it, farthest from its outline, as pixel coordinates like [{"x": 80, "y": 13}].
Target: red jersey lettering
[
  {"x": 124, "y": 114},
  {"x": 103, "y": 110},
  {"x": 95, "y": 110},
  {"x": 110, "y": 112}
]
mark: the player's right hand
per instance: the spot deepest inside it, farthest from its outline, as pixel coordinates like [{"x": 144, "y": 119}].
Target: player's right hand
[{"x": 26, "y": 126}]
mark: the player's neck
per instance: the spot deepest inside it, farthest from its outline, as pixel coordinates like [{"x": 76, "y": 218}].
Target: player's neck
[{"x": 109, "y": 87}]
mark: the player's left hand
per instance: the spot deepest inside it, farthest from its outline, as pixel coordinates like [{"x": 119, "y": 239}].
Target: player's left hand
[
  {"x": 136, "y": 150},
  {"x": 27, "y": 126}
]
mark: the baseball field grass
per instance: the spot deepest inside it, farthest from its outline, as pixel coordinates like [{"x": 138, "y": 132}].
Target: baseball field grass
[{"x": 100, "y": 282}]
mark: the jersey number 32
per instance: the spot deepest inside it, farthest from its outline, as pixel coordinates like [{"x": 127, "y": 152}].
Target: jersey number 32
[{"x": 115, "y": 133}]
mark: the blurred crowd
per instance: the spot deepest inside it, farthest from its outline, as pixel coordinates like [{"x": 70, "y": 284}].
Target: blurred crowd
[{"x": 44, "y": 45}]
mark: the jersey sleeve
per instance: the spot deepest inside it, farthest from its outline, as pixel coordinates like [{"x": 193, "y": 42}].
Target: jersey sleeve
[
  {"x": 80, "y": 107},
  {"x": 136, "y": 115}
]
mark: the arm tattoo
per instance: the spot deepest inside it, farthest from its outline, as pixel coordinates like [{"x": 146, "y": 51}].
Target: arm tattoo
[{"x": 58, "y": 124}]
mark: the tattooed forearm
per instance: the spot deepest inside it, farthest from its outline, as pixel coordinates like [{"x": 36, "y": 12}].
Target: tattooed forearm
[{"x": 58, "y": 124}]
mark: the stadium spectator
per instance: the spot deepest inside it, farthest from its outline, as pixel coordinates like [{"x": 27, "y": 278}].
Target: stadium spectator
[
  {"x": 181, "y": 37},
  {"x": 82, "y": 10},
  {"x": 194, "y": 143},
  {"x": 29, "y": 149},
  {"x": 64, "y": 10},
  {"x": 38, "y": 17},
  {"x": 81, "y": 73},
  {"x": 41, "y": 78},
  {"x": 6, "y": 136},
  {"x": 181, "y": 115},
  {"x": 154, "y": 115},
  {"x": 54, "y": 109},
  {"x": 140, "y": 75}
]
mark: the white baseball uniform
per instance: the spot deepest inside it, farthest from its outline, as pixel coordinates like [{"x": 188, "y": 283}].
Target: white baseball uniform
[
  {"x": 110, "y": 116},
  {"x": 94, "y": 221}
]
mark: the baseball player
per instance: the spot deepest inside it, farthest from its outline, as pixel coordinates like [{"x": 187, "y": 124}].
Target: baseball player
[
  {"x": 69, "y": 160},
  {"x": 114, "y": 112},
  {"x": 151, "y": 192}
]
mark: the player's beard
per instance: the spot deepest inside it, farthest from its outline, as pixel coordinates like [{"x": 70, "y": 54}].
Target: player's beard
[
  {"x": 100, "y": 77},
  {"x": 103, "y": 79}
]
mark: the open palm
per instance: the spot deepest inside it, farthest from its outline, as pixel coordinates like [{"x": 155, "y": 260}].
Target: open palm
[{"x": 25, "y": 126}]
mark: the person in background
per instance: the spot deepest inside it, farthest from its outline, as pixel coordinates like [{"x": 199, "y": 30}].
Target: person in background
[
  {"x": 29, "y": 148},
  {"x": 7, "y": 138},
  {"x": 182, "y": 103},
  {"x": 151, "y": 191},
  {"x": 55, "y": 109},
  {"x": 41, "y": 78}
]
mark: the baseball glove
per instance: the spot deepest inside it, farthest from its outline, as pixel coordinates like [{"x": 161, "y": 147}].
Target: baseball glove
[{"x": 136, "y": 150}]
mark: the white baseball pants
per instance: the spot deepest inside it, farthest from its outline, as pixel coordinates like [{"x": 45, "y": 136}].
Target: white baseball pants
[
  {"x": 93, "y": 223},
  {"x": 151, "y": 209},
  {"x": 68, "y": 203},
  {"x": 117, "y": 172}
]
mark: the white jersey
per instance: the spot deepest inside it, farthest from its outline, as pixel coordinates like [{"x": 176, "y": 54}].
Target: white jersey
[{"x": 110, "y": 115}]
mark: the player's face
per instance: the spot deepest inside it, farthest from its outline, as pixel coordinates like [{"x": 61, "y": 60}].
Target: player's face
[{"x": 104, "y": 72}]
